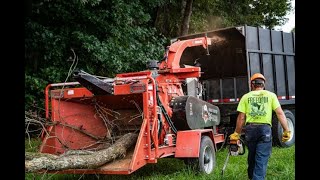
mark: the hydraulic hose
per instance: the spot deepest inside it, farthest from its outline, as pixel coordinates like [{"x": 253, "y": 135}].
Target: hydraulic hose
[{"x": 168, "y": 119}]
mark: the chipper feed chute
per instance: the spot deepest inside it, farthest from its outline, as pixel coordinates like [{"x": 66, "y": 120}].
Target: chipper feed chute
[{"x": 85, "y": 121}]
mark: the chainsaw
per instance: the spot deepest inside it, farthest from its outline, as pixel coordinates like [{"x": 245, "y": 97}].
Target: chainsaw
[{"x": 236, "y": 147}]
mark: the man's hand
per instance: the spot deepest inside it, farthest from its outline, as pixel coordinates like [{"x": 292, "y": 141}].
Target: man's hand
[
  {"x": 234, "y": 136},
  {"x": 286, "y": 136}
]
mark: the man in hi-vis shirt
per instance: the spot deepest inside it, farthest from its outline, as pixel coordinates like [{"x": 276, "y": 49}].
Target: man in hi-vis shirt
[{"x": 255, "y": 112}]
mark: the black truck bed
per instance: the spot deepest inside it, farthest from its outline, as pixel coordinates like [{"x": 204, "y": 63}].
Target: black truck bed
[{"x": 239, "y": 53}]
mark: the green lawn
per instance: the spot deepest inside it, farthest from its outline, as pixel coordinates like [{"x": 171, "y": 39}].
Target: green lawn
[{"x": 281, "y": 166}]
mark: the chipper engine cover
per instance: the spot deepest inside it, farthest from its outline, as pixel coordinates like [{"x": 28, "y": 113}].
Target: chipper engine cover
[{"x": 192, "y": 113}]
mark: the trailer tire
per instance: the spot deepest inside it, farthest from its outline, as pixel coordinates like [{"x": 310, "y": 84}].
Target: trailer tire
[
  {"x": 206, "y": 161},
  {"x": 277, "y": 130}
]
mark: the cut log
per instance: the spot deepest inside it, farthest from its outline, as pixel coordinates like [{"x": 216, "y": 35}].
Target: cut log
[
  {"x": 88, "y": 161},
  {"x": 33, "y": 155}
]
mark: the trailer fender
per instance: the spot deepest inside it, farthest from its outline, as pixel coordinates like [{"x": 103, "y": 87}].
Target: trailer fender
[{"x": 188, "y": 142}]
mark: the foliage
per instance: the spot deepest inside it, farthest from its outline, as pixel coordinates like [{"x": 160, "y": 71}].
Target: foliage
[
  {"x": 268, "y": 13},
  {"x": 117, "y": 36},
  {"x": 212, "y": 14},
  {"x": 168, "y": 18},
  {"x": 108, "y": 37},
  {"x": 206, "y": 16}
]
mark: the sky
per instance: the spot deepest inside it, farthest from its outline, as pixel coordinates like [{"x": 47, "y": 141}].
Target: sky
[{"x": 291, "y": 22}]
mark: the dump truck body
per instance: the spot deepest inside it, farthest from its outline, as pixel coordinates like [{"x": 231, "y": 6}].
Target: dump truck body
[{"x": 245, "y": 50}]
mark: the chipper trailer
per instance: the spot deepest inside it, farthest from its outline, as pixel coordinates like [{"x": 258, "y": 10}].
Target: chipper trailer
[
  {"x": 151, "y": 103},
  {"x": 183, "y": 106}
]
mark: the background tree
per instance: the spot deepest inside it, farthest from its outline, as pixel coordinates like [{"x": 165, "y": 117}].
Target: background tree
[
  {"x": 108, "y": 37},
  {"x": 117, "y": 36},
  {"x": 268, "y": 13},
  {"x": 179, "y": 17}
]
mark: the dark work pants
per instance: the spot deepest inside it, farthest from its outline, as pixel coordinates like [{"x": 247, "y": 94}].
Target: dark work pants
[{"x": 259, "y": 141}]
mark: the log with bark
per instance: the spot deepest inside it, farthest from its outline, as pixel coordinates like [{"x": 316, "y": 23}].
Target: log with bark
[{"x": 85, "y": 160}]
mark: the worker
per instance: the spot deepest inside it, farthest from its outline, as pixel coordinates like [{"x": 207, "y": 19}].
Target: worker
[{"x": 255, "y": 113}]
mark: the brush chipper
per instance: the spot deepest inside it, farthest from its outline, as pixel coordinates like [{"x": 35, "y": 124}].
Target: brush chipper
[{"x": 169, "y": 123}]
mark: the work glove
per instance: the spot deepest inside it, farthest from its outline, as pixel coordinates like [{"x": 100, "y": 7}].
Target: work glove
[
  {"x": 234, "y": 136},
  {"x": 286, "y": 136}
]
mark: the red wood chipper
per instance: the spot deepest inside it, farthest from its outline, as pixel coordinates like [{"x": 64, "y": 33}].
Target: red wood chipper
[{"x": 151, "y": 103}]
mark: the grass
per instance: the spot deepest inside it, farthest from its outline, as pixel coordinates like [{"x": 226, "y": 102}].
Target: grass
[{"x": 281, "y": 166}]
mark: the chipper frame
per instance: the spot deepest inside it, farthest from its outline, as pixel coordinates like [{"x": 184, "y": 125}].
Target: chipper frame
[{"x": 95, "y": 110}]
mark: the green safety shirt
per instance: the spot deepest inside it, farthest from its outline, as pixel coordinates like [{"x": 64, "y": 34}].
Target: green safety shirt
[{"x": 258, "y": 106}]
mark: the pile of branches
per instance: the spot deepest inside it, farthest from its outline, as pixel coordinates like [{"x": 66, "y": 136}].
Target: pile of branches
[{"x": 73, "y": 159}]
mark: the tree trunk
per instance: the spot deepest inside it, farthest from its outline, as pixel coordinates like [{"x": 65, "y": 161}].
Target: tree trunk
[
  {"x": 181, "y": 15},
  {"x": 88, "y": 160},
  {"x": 186, "y": 18},
  {"x": 160, "y": 23}
]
